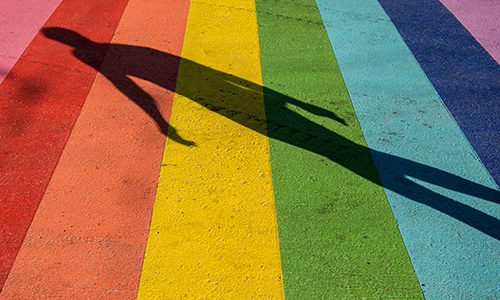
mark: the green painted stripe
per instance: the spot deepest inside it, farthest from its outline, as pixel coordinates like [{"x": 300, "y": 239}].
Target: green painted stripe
[{"x": 338, "y": 237}]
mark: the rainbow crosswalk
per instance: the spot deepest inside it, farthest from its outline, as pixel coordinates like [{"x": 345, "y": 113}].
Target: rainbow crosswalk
[{"x": 224, "y": 149}]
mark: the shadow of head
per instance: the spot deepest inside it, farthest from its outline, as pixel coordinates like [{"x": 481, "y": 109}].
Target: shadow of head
[{"x": 66, "y": 36}]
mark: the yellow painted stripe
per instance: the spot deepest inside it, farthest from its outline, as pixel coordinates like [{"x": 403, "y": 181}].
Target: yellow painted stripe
[{"x": 213, "y": 231}]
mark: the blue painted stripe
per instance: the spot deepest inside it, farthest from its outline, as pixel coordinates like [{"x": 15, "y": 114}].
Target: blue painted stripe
[
  {"x": 463, "y": 73},
  {"x": 445, "y": 202}
]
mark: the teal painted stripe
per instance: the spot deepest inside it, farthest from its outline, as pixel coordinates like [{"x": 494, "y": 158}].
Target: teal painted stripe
[
  {"x": 444, "y": 201},
  {"x": 338, "y": 238}
]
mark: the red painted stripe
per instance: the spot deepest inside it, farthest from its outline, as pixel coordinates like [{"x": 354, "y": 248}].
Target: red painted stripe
[{"x": 40, "y": 101}]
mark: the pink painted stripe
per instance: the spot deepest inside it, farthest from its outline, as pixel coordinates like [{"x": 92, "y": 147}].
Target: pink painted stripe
[
  {"x": 19, "y": 23},
  {"x": 482, "y": 20}
]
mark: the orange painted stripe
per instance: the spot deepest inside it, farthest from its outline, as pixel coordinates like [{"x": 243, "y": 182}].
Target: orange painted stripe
[
  {"x": 40, "y": 101},
  {"x": 88, "y": 237}
]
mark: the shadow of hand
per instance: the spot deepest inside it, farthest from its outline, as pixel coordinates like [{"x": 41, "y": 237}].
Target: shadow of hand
[
  {"x": 321, "y": 112},
  {"x": 172, "y": 134}
]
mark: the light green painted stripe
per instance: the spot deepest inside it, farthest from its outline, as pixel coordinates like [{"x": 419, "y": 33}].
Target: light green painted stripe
[{"x": 338, "y": 237}]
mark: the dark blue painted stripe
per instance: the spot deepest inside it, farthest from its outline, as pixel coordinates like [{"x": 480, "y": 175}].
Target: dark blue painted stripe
[{"x": 466, "y": 77}]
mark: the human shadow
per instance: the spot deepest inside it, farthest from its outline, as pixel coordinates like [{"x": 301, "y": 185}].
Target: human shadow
[{"x": 238, "y": 100}]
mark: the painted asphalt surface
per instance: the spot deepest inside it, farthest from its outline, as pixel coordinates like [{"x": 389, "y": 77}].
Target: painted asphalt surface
[{"x": 238, "y": 149}]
